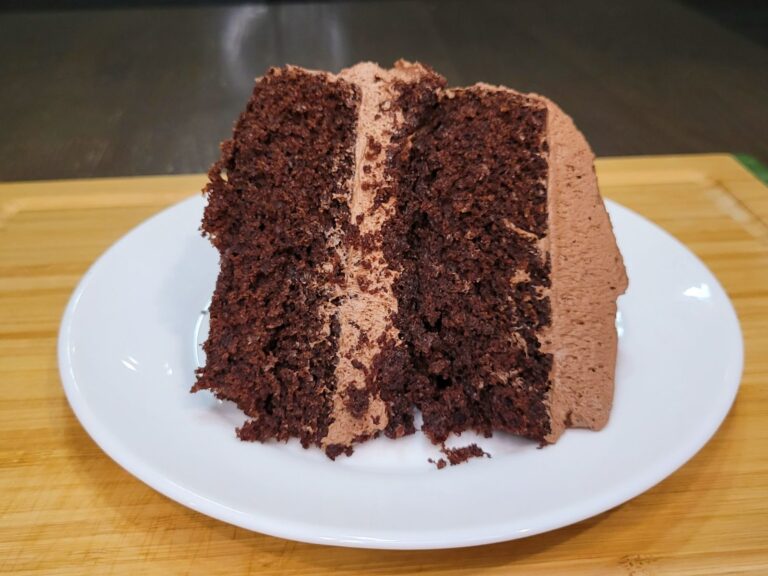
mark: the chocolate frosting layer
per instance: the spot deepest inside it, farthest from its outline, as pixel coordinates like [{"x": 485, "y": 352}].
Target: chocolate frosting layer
[
  {"x": 588, "y": 276},
  {"x": 367, "y": 300}
]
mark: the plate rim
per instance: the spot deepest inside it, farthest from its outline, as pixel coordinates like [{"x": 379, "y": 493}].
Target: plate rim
[{"x": 110, "y": 444}]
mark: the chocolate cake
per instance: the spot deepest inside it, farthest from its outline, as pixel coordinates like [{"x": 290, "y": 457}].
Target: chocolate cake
[{"x": 389, "y": 245}]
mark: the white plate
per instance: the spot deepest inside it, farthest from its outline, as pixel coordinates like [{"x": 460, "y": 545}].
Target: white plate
[{"x": 127, "y": 351}]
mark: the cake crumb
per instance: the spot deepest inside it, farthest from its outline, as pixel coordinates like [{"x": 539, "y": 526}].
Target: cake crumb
[
  {"x": 441, "y": 463},
  {"x": 458, "y": 456}
]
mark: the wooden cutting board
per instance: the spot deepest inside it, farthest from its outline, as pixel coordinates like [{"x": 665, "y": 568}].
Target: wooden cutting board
[{"x": 66, "y": 508}]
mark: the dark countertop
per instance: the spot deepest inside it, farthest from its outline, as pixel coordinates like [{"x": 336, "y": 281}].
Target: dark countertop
[{"x": 106, "y": 90}]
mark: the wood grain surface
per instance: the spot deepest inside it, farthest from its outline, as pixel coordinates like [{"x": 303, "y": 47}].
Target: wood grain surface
[{"x": 66, "y": 508}]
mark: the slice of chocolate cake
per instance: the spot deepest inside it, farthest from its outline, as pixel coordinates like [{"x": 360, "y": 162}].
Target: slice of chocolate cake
[{"x": 389, "y": 245}]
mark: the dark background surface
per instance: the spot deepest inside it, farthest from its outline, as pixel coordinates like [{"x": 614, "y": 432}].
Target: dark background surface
[{"x": 115, "y": 89}]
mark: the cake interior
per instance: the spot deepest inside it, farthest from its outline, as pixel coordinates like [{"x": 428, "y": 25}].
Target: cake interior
[
  {"x": 469, "y": 237},
  {"x": 277, "y": 208}
]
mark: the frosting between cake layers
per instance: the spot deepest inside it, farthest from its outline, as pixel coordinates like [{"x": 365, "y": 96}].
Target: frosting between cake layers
[{"x": 367, "y": 299}]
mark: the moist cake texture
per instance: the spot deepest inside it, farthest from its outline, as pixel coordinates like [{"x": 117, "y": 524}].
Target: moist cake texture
[{"x": 389, "y": 245}]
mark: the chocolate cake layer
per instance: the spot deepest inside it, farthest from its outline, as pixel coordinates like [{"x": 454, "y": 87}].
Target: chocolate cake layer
[
  {"x": 278, "y": 206},
  {"x": 470, "y": 218}
]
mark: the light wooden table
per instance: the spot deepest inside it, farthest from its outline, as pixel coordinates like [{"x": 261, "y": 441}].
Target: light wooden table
[{"x": 66, "y": 508}]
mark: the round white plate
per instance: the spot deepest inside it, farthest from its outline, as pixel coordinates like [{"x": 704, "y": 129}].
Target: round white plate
[{"x": 127, "y": 354}]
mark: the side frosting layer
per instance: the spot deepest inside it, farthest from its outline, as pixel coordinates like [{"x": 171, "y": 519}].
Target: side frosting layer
[{"x": 588, "y": 276}]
